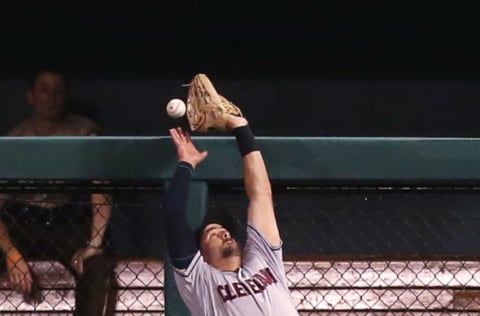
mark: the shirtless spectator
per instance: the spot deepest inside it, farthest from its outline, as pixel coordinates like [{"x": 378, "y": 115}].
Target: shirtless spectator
[{"x": 67, "y": 228}]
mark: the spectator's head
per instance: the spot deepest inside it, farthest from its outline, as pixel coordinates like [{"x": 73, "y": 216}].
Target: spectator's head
[{"x": 48, "y": 93}]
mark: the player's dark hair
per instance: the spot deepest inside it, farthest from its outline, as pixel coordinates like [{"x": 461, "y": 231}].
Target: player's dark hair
[{"x": 228, "y": 221}]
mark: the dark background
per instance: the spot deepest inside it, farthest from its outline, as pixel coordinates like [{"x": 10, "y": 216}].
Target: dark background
[{"x": 342, "y": 68}]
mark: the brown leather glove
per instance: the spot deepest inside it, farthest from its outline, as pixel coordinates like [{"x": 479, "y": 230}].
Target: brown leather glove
[{"x": 206, "y": 109}]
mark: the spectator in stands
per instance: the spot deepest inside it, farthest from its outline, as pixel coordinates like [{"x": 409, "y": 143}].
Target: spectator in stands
[{"x": 54, "y": 226}]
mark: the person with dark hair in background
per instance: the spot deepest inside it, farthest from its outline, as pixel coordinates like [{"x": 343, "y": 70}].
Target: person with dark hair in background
[{"x": 56, "y": 226}]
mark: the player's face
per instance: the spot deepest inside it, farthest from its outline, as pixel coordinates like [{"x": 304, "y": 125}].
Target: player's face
[
  {"x": 217, "y": 242},
  {"x": 48, "y": 95}
]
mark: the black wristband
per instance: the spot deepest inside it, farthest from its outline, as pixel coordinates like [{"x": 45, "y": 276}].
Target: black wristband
[{"x": 245, "y": 139}]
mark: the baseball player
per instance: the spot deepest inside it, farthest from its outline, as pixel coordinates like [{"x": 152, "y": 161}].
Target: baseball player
[{"x": 215, "y": 275}]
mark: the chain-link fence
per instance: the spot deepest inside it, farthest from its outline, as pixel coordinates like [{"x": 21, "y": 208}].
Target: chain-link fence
[
  {"x": 376, "y": 250},
  {"x": 348, "y": 251},
  {"x": 66, "y": 249}
]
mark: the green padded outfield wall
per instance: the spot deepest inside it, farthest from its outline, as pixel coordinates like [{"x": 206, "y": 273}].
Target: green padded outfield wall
[{"x": 318, "y": 160}]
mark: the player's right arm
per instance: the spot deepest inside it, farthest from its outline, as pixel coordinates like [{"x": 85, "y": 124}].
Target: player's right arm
[{"x": 182, "y": 246}]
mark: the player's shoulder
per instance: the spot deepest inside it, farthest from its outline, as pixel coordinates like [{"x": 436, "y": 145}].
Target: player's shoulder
[{"x": 256, "y": 236}]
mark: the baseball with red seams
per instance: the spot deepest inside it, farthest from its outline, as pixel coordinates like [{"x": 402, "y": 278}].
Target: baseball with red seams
[{"x": 176, "y": 108}]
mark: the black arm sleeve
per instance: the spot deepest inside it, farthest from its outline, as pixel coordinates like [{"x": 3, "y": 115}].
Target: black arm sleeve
[{"x": 181, "y": 238}]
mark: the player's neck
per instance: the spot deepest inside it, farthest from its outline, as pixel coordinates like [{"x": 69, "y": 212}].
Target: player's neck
[{"x": 231, "y": 263}]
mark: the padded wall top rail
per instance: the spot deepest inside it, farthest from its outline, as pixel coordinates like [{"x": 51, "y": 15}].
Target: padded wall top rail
[{"x": 290, "y": 159}]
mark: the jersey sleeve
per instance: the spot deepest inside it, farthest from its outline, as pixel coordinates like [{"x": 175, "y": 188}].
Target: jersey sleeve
[
  {"x": 258, "y": 248},
  {"x": 189, "y": 280}
]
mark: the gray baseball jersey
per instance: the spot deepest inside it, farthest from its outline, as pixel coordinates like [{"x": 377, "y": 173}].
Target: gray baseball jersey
[{"x": 258, "y": 288}]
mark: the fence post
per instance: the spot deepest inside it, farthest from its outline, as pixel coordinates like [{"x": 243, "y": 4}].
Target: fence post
[{"x": 197, "y": 207}]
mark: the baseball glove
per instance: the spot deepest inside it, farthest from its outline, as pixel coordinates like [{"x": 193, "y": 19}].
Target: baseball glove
[{"x": 206, "y": 109}]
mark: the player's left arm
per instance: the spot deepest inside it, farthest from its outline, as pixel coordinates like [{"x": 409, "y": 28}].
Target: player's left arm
[
  {"x": 180, "y": 236},
  {"x": 182, "y": 246},
  {"x": 261, "y": 214}
]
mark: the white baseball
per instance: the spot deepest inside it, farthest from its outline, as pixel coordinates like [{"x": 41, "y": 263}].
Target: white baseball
[{"x": 176, "y": 108}]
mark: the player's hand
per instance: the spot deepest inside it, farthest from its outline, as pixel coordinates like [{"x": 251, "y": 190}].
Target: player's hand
[
  {"x": 186, "y": 150},
  {"x": 18, "y": 271},
  {"x": 83, "y": 254},
  {"x": 236, "y": 121}
]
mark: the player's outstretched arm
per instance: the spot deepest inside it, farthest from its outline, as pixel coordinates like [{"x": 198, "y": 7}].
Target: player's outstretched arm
[
  {"x": 261, "y": 213},
  {"x": 181, "y": 239}
]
